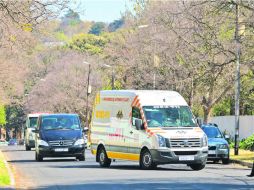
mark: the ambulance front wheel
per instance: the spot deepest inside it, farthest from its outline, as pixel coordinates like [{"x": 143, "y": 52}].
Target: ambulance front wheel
[
  {"x": 103, "y": 158},
  {"x": 146, "y": 161}
]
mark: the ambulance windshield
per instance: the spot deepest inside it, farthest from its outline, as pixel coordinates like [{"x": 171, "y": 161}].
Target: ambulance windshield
[{"x": 169, "y": 116}]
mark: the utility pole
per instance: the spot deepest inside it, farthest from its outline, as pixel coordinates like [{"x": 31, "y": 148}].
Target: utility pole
[
  {"x": 88, "y": 91},
  {"x": 113, "y": 78},
  {"x": 237, "y": 80},
  {"x": 113, "y": 75}
]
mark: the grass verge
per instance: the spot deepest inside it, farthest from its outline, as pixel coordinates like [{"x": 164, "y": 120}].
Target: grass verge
[
  {"x": 4, "y": 175},
  {"x": 244, "y": 155}
]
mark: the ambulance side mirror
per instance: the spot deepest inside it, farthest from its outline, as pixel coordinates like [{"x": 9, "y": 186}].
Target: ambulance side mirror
[
  {"x": 139, "y": 124},
  {"x": 85, "y": 129},
  {"x": 199, "y": 121}
]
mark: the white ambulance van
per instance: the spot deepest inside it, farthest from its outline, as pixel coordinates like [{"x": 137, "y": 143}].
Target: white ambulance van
[{"x": 151, "y": 127}]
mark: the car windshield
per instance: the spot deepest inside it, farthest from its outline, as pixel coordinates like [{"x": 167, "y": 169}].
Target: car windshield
[
  {"x": 212, "y": 132},
  {"x": 55, "y": 122},
  {"x": 32, "y": 122},
  {"x": 169, "y": 116}
]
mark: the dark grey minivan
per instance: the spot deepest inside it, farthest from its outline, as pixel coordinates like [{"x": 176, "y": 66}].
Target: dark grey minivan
[{"x": 59, "y": 135}]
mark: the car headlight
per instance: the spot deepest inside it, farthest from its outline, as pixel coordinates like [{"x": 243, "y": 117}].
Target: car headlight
[
  {"x": 223, "y": 146},
  {"x": 161, "y": 141},
  {"x": 31, "y": 136},
  {"x": 42, "y": 143},
  {"x": 79, "y": 142},
  {"x": 204, "y": 141}
]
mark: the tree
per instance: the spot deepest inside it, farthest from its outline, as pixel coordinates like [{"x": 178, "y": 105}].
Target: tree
[
  {"x": 195, "y": 43},
  {"x": 63, "y": 89},
  {"x": 89, "y": 43},
  {"x": 18, "y": 17},
  {"x": 116, "y": 24},
  {"x": 97, "y": 28}
]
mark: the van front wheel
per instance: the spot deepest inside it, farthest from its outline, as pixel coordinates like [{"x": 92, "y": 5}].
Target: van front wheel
[
  {"x": 197, "y": 167},
  {"x": 146, "y": 160},
  {"x": 28, "y": 148},
  {"x": 38, "y": 157},
  {"x": 103, "y": 158}
]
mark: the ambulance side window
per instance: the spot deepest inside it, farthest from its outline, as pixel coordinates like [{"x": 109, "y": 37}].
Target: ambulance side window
[{"x": 135, "y": 115}]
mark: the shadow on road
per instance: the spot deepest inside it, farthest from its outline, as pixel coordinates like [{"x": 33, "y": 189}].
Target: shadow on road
[
  {"x": 51, "y": 160},
  {"x": 146, "y": 185},
  {"x": 120, "y": 167}
]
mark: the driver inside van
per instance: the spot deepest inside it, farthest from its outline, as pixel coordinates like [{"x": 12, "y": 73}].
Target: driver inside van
[{"x": 156, "y": 120}]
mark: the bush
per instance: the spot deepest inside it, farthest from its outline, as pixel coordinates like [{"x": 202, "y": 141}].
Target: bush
[{"x": 247, "y": 144}]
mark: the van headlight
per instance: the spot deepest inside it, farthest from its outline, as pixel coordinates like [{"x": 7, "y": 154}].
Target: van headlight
[
  {"x": 31, "y": 136},
  {"x": 79, "y": 142},
  {"x": 204, "y": 141},
  {"x": 42, "y": 143},
  {"x": 161, "y": 141}
]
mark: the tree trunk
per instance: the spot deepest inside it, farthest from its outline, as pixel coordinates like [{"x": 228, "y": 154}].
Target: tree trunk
[
  {"x": 207, "y": 111},
  {"x": 191, "y": 94}
]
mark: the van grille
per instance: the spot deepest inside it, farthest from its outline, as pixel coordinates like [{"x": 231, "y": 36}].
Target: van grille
[
  {"x": 185, "y": 143},
  {"x": 61, "y": 143}
]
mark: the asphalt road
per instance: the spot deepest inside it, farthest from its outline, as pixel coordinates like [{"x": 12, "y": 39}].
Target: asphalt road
[{"x": 71, "y": 174}]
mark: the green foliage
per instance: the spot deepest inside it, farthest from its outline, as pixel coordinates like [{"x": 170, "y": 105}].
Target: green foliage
[
  {"x": 88, "y": 43},
  {"x": 247, "y": 144},
  {"x": 197, "y": 110},
  {"x": 2, "y": 115},
  {"x": 118, "y": 85},
  {"x": 4, "y": 174},
  {"x": 180, "y": 59},
  {"x": 223, "y": 108},
  {"x": 14, "y": 116},
  {"x": 61, "y": 36},
  {"x": 97, "y": 28},
  {"x": 226, "y": 32}
]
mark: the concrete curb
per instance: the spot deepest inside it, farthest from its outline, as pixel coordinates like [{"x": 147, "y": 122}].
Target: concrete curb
[
  {"x": 243, "y": 163},
  {"x": 12, "y": 179}
]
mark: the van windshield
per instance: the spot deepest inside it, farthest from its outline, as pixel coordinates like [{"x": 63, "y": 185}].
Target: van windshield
[
  {"x": 32, "y": 122},
  {"x": 57, "y": 122},
  {"x": 169, "y": 116}
]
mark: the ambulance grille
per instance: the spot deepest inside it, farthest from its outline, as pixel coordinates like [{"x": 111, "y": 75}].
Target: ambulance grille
[{"x": 185, "y": 143}]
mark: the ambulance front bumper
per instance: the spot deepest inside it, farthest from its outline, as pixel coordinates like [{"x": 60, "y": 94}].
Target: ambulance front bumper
[{"x": 193, "y": 156}]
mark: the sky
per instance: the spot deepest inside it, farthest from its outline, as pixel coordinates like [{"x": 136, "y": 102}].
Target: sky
[{"x": 102, "y": 10}]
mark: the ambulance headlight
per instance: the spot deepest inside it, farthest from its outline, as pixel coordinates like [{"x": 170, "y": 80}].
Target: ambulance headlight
[
  {"x": 204, "y": 141},
  {"x": 161, "y": 141}
]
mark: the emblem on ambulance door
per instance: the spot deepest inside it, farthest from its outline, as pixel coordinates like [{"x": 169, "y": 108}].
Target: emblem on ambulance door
[{"x": 119, "y": 114}]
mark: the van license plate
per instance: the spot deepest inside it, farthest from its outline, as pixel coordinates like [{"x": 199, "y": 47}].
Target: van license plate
[
  {"x": 61, "y": 150},
  {"x": 211, "y": 152},
  {"x": 186, "y": 158}
]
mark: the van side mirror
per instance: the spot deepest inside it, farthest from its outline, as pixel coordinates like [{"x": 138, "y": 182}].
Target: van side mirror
[
  {"x": 139, "y": 124},
  {"x": 35, "y": 130},
  {"x": 227, "y": 137}
]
